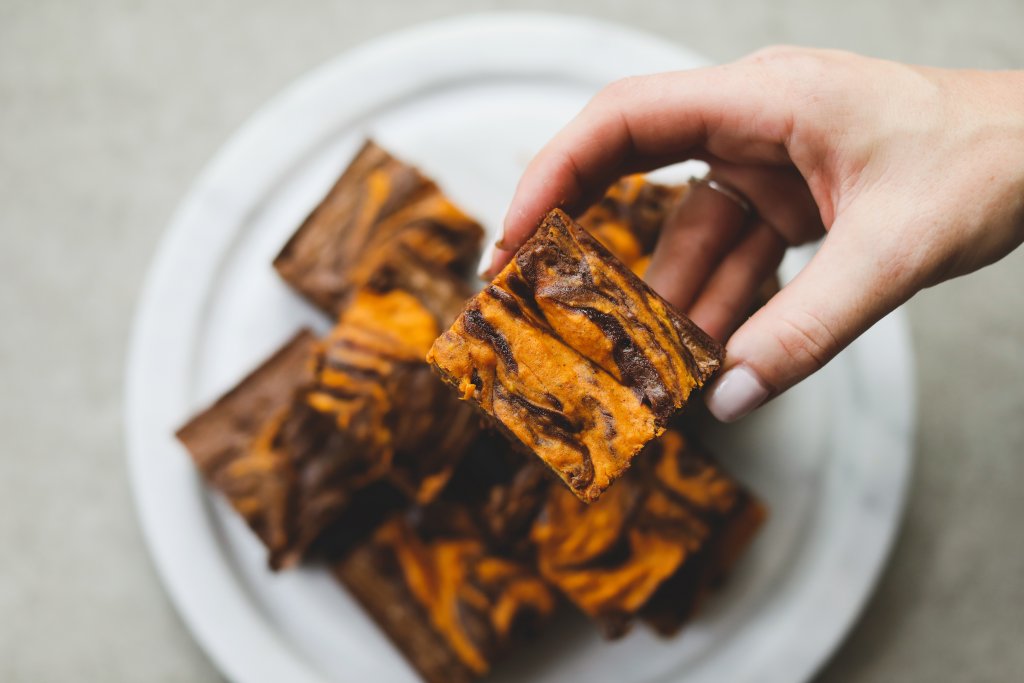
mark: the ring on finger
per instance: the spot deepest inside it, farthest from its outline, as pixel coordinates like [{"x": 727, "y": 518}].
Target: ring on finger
[{"x": 729, "y": 192}]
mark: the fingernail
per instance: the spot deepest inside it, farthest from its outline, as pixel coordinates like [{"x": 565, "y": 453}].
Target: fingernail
[
  {"x": 499, "y": 257},
  {"x": 735, "y": 394}
]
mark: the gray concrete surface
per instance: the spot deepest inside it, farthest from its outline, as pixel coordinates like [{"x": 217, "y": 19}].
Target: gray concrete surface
[{"x": 108, "y": 110}]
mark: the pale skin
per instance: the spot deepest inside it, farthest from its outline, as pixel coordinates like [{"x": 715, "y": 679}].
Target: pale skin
[{"x": 914, "y": 175}]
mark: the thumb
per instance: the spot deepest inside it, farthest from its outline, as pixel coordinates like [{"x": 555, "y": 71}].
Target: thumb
[{"x": 847, "y": 287}]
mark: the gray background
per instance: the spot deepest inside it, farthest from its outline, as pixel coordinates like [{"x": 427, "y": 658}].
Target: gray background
[{"x": 107, "y": 112}]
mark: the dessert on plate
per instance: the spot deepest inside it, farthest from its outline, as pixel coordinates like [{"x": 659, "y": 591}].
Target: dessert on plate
[{"x": 436, "y": 516}]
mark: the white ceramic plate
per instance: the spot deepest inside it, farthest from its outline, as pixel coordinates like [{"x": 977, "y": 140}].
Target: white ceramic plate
[{"x": 470, "y": 100}]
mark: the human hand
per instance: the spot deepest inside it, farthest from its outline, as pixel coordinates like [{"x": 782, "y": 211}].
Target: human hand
[{"x": 916, "y": 175}]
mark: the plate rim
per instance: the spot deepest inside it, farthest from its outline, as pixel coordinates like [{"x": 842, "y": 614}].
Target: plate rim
[{"x": 279, "y": 661}]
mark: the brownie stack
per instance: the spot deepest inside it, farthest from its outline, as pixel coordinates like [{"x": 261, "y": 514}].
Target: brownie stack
[{"x": 438, "y": 518}]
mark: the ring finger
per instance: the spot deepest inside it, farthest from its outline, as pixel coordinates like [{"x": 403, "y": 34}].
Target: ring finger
[{"x": 697, "y": 235}]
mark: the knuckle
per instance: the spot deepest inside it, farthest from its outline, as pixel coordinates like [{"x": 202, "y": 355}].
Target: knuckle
[
  {"x": 795, "y": 71},
  {"x": 806, "y": 339},
  {"x": 775, "y": 53},
  {"x": 794, "y": 56},
  {"x": 804, "y": 73},
  {"x": 618, "y": 89}
]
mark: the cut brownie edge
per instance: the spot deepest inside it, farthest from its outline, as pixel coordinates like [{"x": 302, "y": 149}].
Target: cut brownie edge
[
  {"x": 392, "y": 606},
  {"x": 450, "y": 605},
  {"x": 230, "y": 442},
  {"x": 213, "y": 433}
]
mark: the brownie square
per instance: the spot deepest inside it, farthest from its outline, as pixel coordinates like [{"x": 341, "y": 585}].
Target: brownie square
[
  {"x": 345, "y": 421},
  {"x": 575, "y": 356},
  {"x": 380, "y": 210},
  {"x": 224, "y": 432},
  {"x": 311, "y": 437},
  {"x": 280, "y": 464},
  {"x": 448, "y": 604},
  {"x": 653, "y": 545}
]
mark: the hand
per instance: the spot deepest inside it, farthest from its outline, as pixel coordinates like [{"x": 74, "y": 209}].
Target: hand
[{"x": 916, "y": 175}]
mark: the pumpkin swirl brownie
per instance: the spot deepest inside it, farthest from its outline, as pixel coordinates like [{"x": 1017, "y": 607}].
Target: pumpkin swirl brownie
[
  {"x": 388, "y": 254},
  {"x": 451, "y": 606},
  {"x": 653, "y": 545},
  {"x": 380, "y": 211},
  {"x": 326, "y": 426},
  {"x": 277, "y": 461},
  {"x": 575, "y": 356},
  {"x": 293, "y": 445}
]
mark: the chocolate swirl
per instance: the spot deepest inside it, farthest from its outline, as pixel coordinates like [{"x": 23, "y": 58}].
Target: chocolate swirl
[
  {"x": 661, "y": 530},
  {"x": 450, "y": 604},
  {"x": 254, "y": 445},
  {"x": 387, "y": 254},
  {"x": 358, "y": 407},
  {"x": 380, "y": 210},
  {"x": 381, "y": 395},
  {"x": 575, "y": 356}
]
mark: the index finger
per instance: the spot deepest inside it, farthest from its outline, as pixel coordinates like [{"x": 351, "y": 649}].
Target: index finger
[{"x": 735, "y": 112}]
